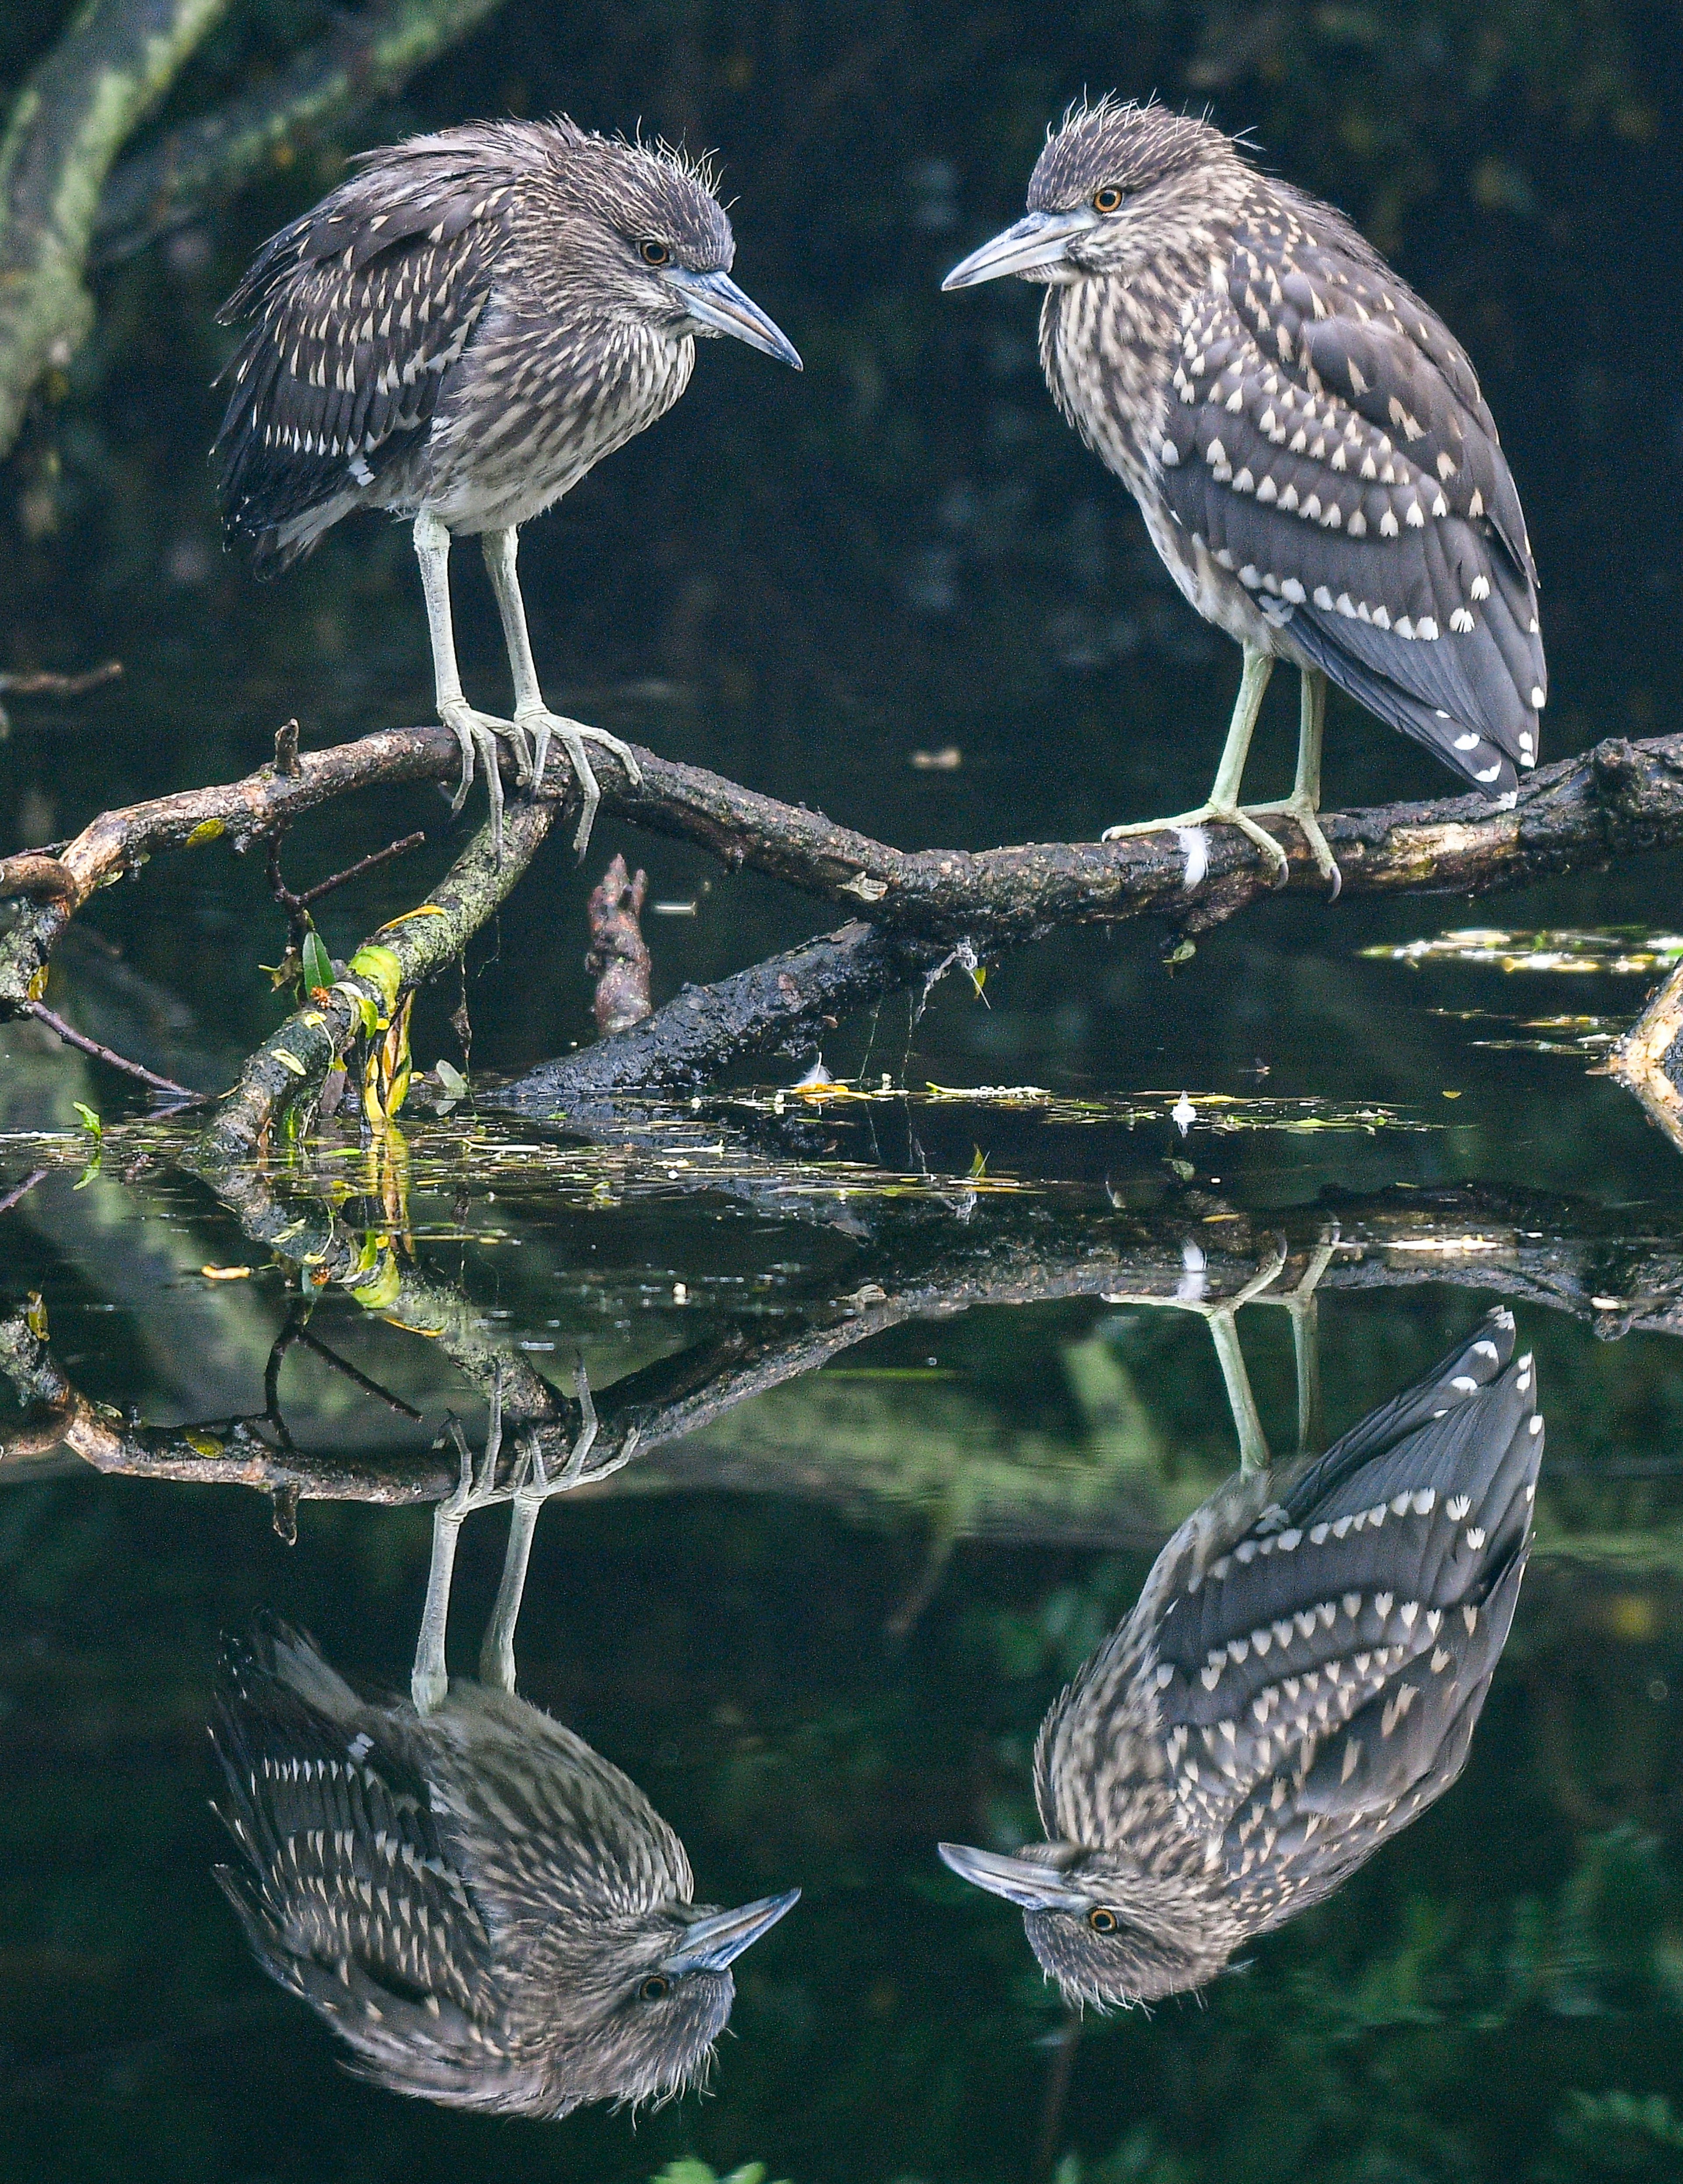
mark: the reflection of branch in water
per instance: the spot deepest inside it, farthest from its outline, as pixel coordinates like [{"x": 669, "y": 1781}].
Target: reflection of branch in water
[
  {"x": 489, "y": 1913},
  {"x": 920, "y": 1263},
  {"x": 1300, "y": 1679}
]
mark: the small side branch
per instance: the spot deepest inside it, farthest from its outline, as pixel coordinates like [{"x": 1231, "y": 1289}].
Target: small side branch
[
  {"x": 1648, "y": 1061},
  {"x": 292, "y": 1063},
  {"x": 55, "y": 1023}
]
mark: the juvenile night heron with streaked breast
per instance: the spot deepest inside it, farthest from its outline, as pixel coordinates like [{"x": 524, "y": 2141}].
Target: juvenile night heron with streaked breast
[
  {"x": 489, "y": 1913},
  {"x": 1300, "y": 1679},
  {"x": 456, "y": 335},
  {"x": 1306, "y": 438}
]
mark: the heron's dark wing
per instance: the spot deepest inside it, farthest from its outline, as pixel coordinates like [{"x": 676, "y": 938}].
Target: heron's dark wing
[
  {"x": 1302, "y": 1831},
  {"x": 1326, "y": 438},
  {"x": 358, "y": 310},
  {"x": 1289, "y": 1654},
  {"x": 545, "y": 1825},
  {"x": 346, "y": 1885}
]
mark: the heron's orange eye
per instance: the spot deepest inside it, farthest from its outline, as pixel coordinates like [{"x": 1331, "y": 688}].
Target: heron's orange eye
[
  {"x": 1108, "y": 199},
  {"x": 652, "y": 1989},
  {"x": 1101, "y": 1920},
  {"x": 654, "y": 254}
]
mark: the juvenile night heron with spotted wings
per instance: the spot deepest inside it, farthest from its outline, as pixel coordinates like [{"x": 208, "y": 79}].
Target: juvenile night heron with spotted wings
[
  {"x": 1300, "y": 1679},
  {"x": 487, "y": 1912},
  {"x": 456, "y": 335},
  {"x": 1306, "y": 438}
]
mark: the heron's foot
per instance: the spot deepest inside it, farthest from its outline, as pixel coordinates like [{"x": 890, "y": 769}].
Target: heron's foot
[
  {"x": 1300, "y": 809},
  {"x": 540, "y": 726},
  {"x": 533, "y": 1481},
  {"x": 1215, "y": 814},
  {"x": 476, "y": 1487},
  {"x": 477, "y": 733}
]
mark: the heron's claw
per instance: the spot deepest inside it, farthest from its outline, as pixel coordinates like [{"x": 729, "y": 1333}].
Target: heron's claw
[
  {"x": 478, "y": 734},
  {"x": 542, "y": 728},
  {"x": 1216, "y": 814}
]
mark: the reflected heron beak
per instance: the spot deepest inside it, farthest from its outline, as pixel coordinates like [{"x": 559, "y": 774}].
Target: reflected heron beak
[
  {"x": 714, "y": 1942},
  {"x": 714, "y": 301},
  {"x": 1039, "y": 238},
  {"x": 1021, "y": 1880}
]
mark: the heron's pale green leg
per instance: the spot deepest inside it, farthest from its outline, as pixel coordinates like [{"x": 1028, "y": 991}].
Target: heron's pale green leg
[
  {"x": 476, "y": 1488},
  {"x": 532, "y": 718},
  {"x": 533, "y": 1488},
  {"x": 1304, "y": 1309},
  {"x": 474, "y": 732},
  {"x": 1223, "y": 1324},
  {"x": 1304, "y": 800},
  {"x": 1223, "y": 808},
  {"x": 1222, "y": 1320}
]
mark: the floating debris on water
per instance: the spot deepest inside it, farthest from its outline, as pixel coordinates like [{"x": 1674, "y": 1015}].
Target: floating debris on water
[
  {"x": 1628, "y": 951},
  {"x": 1575, "y": 1035}
]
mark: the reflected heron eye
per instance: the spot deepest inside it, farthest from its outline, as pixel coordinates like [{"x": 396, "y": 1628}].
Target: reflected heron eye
[
  {"x": 653, "y": 1988},
  {"x": 1101, "y": 1920},
  {"x": 1108, "y": 199},
  {"x": 654, "y": 254}
]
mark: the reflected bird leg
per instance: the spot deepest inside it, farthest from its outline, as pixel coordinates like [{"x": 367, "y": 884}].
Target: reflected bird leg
[
  {"x": 476, "y": 733},
  {"x": 533, "y": 1488},
  {"x": 1304, "y": 800},
  {"x": 1223, "y": 1326},
  {"x": 534, "y": 722},
  {"x": 1223, "y": 808},
  {"x": 1222, "y": 1321},
  {"x": 475, "y": 1489},
  {"x": 1304, "y": 1308}
]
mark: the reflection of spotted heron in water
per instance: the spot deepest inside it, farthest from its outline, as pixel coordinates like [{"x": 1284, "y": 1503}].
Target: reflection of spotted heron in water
[
  {"x": 489, "y": 1913},
  {"x": 1306, "y": 439},
  {"x": 1298, "y": 1679}
]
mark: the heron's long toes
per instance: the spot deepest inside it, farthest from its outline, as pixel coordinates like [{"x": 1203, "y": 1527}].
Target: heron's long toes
[
  {"x": 1277, "y": 859},
  {"x": 1300, "y": 809},
  {"x": 622, "y": 751}
]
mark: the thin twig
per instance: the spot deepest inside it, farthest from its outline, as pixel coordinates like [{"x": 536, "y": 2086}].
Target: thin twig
[
  {"x": 362, "y": 864},
  {"x": 72, "y": 1037},
  {"x": 22, "y": 1191},
  {"x": 353, "y": 1373}
]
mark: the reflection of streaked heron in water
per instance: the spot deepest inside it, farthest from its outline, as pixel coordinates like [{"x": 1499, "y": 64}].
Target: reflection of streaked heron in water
[
  {"x": 1300, "y": 1679},
  {"x": 489, "y": 1913}
]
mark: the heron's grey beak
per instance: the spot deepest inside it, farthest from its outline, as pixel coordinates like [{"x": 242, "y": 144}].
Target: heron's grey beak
[
  {"x": 1039, "y": 238},
  {"x": 1020, "y": 1881},
  {"x": 713, "y": 300},
  {"x": 713, "y": 1942}
]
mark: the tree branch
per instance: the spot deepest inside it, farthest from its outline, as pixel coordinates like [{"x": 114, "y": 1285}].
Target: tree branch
[
  {"x": 1552, "y": 1254},
  {"x": 292, "y": 1062},
  {"x": 70, "y": 119},
  {"x": 369, "y": 57},
  {"x": 925, "y": 907}
]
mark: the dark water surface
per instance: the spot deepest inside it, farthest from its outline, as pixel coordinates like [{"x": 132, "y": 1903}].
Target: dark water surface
[{"x": 918, "y": 1392}]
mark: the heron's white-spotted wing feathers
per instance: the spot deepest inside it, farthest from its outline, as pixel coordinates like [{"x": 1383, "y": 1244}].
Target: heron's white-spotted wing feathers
[{"x": 1326, "y": 439}]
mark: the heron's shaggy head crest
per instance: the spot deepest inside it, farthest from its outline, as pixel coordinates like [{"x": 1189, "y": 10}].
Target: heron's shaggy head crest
[{"x": 1118, "y": 145}]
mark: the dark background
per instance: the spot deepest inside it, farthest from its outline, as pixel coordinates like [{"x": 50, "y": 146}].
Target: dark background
[{"x": 801, "y": 581}]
